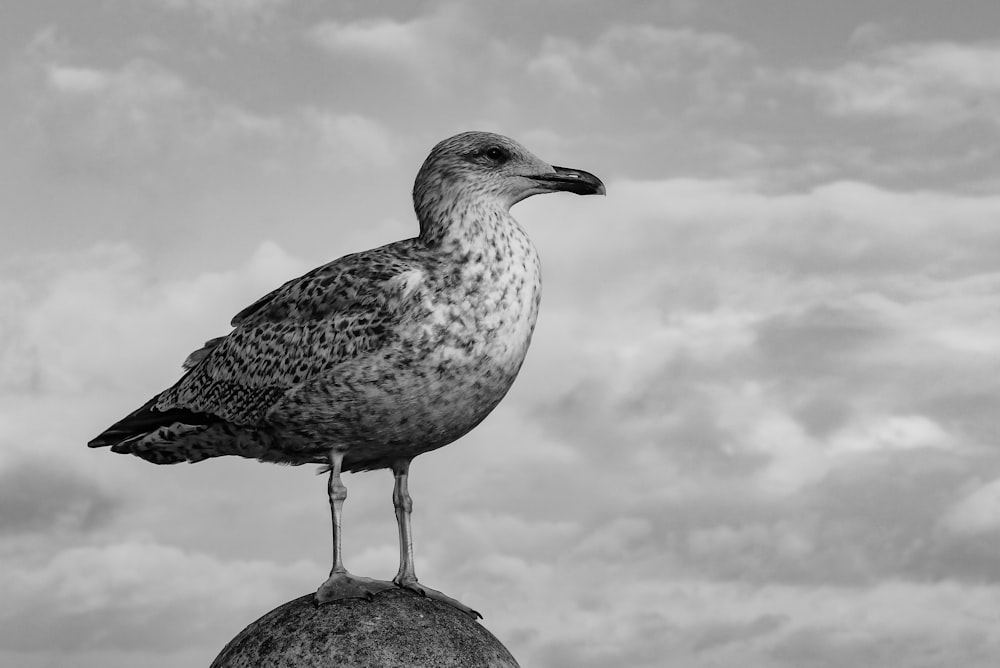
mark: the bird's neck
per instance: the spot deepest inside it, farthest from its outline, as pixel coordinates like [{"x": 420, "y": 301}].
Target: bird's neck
[{"x": 466, "y": 225}]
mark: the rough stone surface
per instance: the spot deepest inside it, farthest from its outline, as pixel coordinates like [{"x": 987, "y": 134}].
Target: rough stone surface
[{"x": 396, "y": 628}]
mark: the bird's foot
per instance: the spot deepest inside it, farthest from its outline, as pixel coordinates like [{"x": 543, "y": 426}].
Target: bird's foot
[
  {"x": 344, "y": 585},
  {"x": 423, "y": 590}
]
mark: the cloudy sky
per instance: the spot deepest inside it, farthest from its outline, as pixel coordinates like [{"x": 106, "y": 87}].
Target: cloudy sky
[{"x": 758, "y": 424}]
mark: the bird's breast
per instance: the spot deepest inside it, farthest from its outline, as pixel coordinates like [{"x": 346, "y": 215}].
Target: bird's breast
[{"x": 483, "y": 315}]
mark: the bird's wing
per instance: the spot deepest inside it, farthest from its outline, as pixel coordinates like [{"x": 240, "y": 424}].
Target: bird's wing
[{"x": 336, "y": 312}]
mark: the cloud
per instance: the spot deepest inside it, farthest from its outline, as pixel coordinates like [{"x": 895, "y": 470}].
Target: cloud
[
  {"x": 117, "y": 111},
  {"x": 78, "y": 80},
  {"x": 36, "y": 496},
  {"x": 350, "y": 139},
  {"x": 704, "y": 67},
  {"x": 234, "y": 17},
  {"x": 108, "y": 288},
  {"x": 379, "y": 37},
  {"x": 936, "y": 84},
  {"x": 434, "y": 50},
  {"x": 708, "y": 623},
  {"x": 140, "y": 118},
  {"x": 774, "y": 383},
  {"x": 978, "y": 511},
  {"x": 94, "y": 119},
  {"x": 136, "y": 594},
  {"x": 894, "y": 432}
]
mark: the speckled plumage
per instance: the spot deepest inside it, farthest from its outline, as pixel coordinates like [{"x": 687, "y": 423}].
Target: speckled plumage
[{"x": 383, "y": 354}]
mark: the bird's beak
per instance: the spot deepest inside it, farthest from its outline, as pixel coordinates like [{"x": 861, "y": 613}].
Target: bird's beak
[{"x": 571, "y": 180}]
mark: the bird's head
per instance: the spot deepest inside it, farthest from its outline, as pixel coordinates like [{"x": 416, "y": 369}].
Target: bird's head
[{"x": 493, "y": 169}]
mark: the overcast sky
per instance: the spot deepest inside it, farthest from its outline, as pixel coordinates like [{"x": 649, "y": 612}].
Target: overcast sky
[{"x": 759, "y": 422}]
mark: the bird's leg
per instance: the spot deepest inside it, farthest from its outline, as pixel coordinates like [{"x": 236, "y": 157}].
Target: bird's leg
[
  {"x": 403, "y": 504},
  {"x": 337, "y": 492},
  {"x": 342, "y": 584},
  {"x": 406, "y": 577}
]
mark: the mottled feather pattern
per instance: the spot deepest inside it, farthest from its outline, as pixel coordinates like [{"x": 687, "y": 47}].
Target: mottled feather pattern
[{"x": 333, "y": 313}]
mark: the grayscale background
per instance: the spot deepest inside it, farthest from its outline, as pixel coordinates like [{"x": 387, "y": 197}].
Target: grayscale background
[{"x": 760, "y": 421}]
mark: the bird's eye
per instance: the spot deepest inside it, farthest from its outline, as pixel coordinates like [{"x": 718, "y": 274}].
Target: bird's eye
[{"x": 497, "y": 154}]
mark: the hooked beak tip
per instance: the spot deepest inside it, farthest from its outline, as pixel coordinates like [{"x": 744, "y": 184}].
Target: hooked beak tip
[{"x": 572, "y": 180}]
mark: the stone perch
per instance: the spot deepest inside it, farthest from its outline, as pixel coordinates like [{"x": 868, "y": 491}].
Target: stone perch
[{"x": 396, "y": 629}]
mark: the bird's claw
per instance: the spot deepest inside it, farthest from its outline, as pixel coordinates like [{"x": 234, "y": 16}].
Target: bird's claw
[
  {"x": 414, "y": 586},
  {"x": 344, "y": 585}
]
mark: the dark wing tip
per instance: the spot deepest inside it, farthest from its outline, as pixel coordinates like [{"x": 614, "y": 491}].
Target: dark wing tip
[{"x": 144, "y": 421}]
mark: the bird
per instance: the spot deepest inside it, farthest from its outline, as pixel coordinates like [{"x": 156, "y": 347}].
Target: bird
[{"x": 379, "y": 356}]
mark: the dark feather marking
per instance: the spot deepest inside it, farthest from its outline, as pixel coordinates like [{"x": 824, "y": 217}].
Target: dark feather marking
[{"x": 144, "y": 420}]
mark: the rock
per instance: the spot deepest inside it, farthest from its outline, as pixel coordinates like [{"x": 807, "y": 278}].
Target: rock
[{"x": 397, "y": 628}]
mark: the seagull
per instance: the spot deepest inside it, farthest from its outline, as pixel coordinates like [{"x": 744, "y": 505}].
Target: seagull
[{"x": 379, "y": 356}]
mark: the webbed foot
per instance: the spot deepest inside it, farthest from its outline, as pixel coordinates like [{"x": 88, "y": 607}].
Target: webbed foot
[
  {"x": 414, "y": 586},
  {"x": 344, "y": 585}
]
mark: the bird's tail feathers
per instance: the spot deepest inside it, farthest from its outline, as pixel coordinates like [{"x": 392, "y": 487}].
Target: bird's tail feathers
[{"x": 142, "y": 422}]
